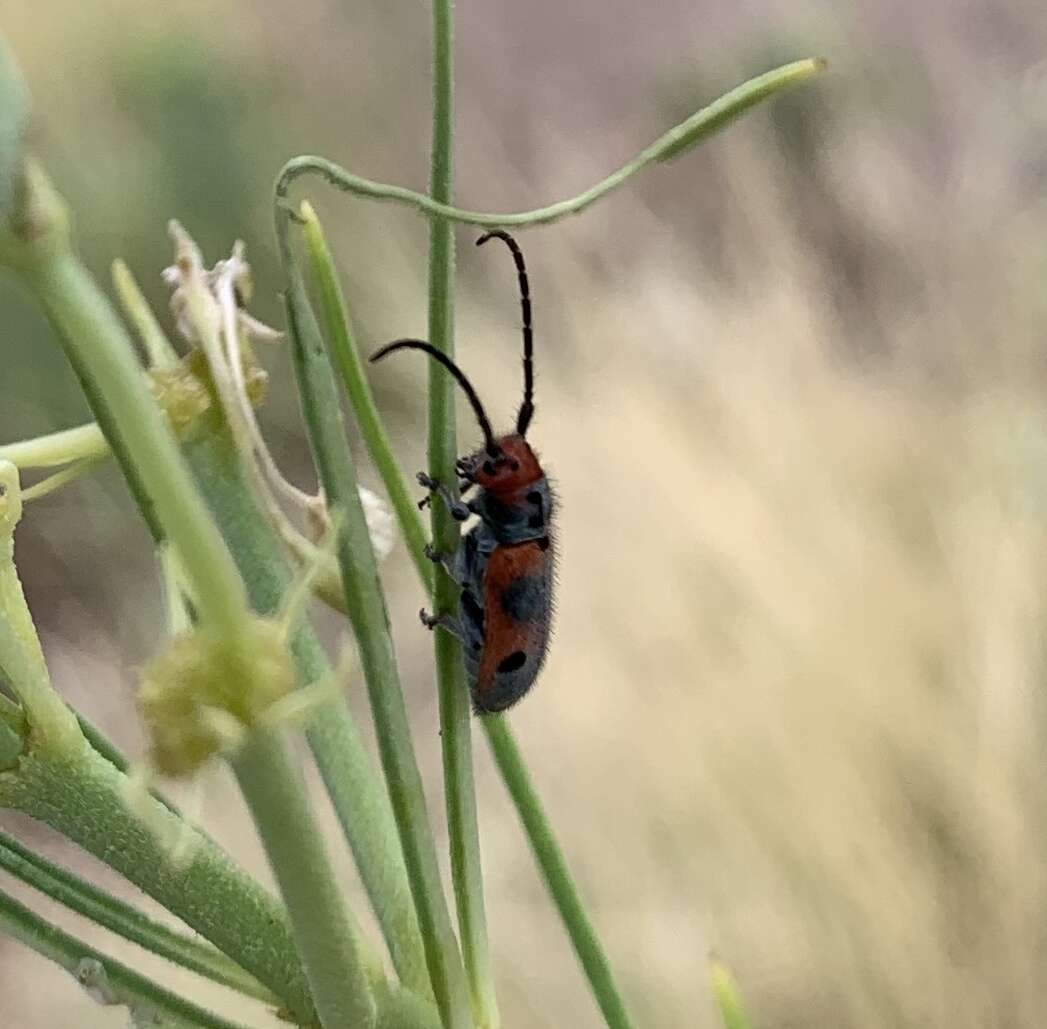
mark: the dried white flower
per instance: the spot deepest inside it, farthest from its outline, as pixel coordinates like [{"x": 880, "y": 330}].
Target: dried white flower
[{"x": 209, "y": 309}]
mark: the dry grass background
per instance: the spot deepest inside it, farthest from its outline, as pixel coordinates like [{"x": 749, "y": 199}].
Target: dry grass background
[{"x": 791, "y": 389}]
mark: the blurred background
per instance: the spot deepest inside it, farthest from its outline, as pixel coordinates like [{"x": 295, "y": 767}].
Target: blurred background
[{"x": 790, "y": 388}]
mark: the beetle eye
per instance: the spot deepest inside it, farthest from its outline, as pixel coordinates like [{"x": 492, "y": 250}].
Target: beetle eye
[
  {"x": 488, "y": 468},
  {"x": 514, "y": 465}
]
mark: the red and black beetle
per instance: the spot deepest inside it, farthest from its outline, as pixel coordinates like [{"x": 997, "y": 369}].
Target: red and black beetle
[{"x": 504, "y": 564}]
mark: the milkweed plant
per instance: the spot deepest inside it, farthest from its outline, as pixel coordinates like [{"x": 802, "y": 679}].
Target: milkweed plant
[{"x": 239, "y": 669}]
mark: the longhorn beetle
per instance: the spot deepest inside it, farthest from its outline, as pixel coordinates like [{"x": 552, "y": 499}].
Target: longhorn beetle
[{"x": 504, "y": 564}]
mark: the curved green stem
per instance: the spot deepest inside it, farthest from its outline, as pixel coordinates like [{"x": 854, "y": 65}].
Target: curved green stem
[
  {"x": 674, "y": 142},
  {"x": 455, "y": 714},
  {"x": 119, "y": 917},
  {"x": 108, "y": 981}
]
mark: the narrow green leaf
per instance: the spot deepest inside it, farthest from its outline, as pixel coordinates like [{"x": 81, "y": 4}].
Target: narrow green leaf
[
  {"x": 119, "y": 917},
  {"x": 733, "y": 105},
  {"x": 84, "y": 798},
  {"x": 108, "y": 981}
]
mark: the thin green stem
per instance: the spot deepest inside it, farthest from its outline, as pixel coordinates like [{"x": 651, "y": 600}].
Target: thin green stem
[
  {"x": 61, "y": 478},
  {"x": 346, "y": 354},
  {"x": 554, "y": 870},
  {"x": 108, "y": 981},
  {"x": 57, "y": 448},
  {"x": 119, "y": 917},
  {"x": 51, "y": 723},
  {"x": 365, "y": 605},
  {"x": 12, "y": 733},
  {"x": 455, "y": 715},
  {"x": 682, "y": 137},
  {"x": 154, "y": 341},
  {"x": 328, "y": 938},
  {"x": 84, "y": 797}
]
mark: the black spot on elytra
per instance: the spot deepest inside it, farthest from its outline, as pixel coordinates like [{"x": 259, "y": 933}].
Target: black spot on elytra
[
  {"x": 523, "y": 599},
  {"x": 513, "y": 663},
  {"x": 534, "y": 497},
  {"x": 536, "y": 521},
  {"x": 543, "y": 543}
]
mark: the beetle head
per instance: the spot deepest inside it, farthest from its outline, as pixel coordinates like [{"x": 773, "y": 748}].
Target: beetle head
[{"x": 511, "y": 467}]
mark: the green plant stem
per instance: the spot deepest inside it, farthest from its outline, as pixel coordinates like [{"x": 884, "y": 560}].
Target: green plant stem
[
  {"x": 346, "y": 354},
  {"x": 51, "y": 723},
  {"x": 155, "y": 343},
  {"x": 360, "y": 801},
  {"x": 455, "y": 714},
  {"x": 92, "y": 332},
  {"x": 119, "y": 917},
  {"x": 328, "y": 940},
  {"x": 554, "y": 870},
  {"x": 688, "y": 133},
  {"x": 57, "y": 448},
  {"x": 365, "y": 605},
  {"x": 12, "y": 733},
  {"x": 144, "y": 998},
  {"x": 84, "y": 798}
]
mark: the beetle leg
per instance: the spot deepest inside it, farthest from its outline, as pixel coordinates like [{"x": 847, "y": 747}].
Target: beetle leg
[
  {"x": 459, "y": 511},
  {"x": 463, "y": 487},
  {"x": 446, "y": 622},
  {"x": 443, "y": 561}
]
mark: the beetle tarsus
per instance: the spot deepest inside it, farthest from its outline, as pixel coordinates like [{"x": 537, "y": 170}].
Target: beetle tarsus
[
  {"x": 458, "y": 511},
  {"x": 443, "y": 561},
  {"x": 445, "y": 622}
]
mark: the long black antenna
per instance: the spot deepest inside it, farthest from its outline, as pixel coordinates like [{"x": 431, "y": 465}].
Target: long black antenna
[
  {"x": 459, "y": 375},
  {"x": 523, "y": 419}
]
